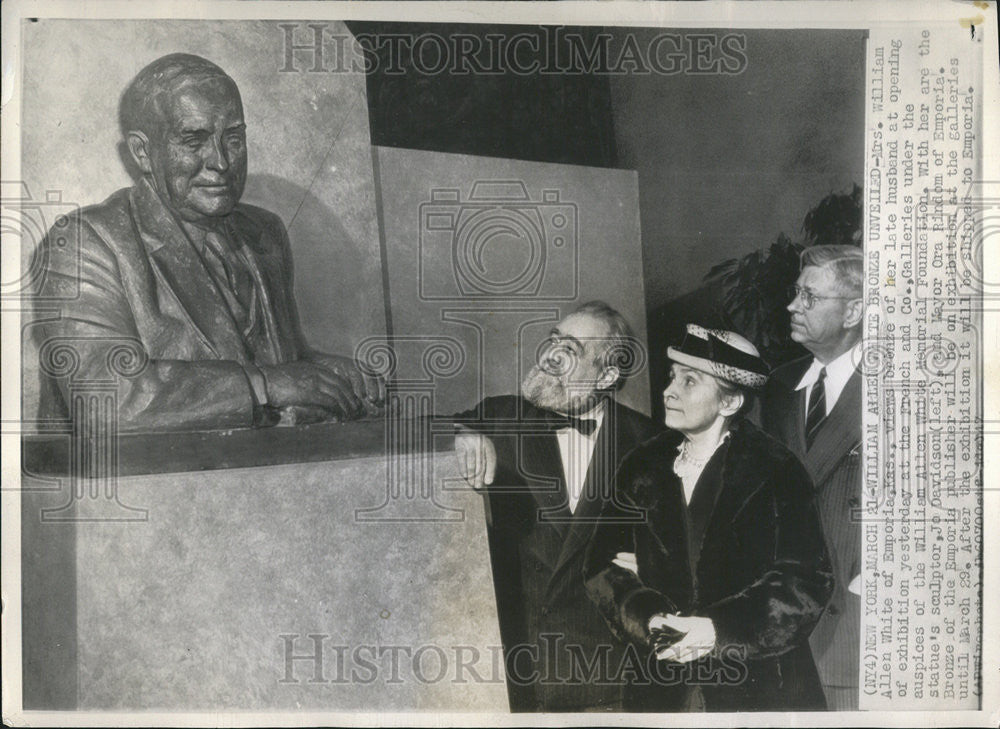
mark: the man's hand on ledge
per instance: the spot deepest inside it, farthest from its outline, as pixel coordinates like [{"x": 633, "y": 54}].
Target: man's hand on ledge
[
  {"x": 477, "y": 457},
  {"x": 310, "y": 384},
  {"x": 369, "y": 389}
]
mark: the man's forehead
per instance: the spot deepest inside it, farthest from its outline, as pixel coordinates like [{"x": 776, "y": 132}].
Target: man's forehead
[
  {"x": 583, "y": 327},
  {"x": 817, "y": 277},
  {"x": 201, "y": 102}
]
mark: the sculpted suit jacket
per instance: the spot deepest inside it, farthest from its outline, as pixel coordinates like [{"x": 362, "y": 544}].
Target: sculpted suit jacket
[
  {"x": 128, "y": 275},
  {"x": 747, "y": 553},
  {"x": 537, "y": 546},
  {"x": 834, "y": 462}
]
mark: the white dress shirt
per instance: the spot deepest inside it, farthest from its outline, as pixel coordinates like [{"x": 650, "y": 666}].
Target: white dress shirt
[
  {"x": 838, "y": 372},
  {"x": 576, "y": 450}
]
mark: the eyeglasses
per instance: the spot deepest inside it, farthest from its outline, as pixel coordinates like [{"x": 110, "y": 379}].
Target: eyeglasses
[{"x": 808, "y": 298}]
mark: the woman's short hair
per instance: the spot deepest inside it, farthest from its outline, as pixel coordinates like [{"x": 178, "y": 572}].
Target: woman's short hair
[{"x": 730, "y": 389}]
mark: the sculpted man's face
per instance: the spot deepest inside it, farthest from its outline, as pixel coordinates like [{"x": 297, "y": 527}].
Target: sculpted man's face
[
  {"x": 198, "y": 161},
  {"x": 569, "y": 368}
]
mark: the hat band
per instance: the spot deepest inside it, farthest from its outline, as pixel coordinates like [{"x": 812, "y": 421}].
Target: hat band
[{"x": 715, "y": 350}]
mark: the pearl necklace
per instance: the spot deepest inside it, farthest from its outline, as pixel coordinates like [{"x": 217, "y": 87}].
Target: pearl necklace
[
  {"x": 687, "y": 467},
  {"x": 685, "y": 458}
]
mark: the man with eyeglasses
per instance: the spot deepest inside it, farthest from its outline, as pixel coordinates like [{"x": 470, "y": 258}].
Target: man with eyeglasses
[{"x": 813, "y": 405}]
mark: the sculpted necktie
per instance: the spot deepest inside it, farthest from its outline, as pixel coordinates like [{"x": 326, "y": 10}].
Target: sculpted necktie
[
  {"x": 235, "y": 282},
  {"x": 817, "y": 408},
  {"x": 240, "y": 284}
]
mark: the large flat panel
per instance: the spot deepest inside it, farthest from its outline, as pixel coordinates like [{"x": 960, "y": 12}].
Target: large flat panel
[
  {"x": 206, "y": 604},
  {"x": 486, "y": 254},
  {"x": 48, "y": 600}
]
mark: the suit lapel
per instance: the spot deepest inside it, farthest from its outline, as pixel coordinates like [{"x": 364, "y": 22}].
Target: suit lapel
[
  {"x": 544, "y": 475},
  {"x": 797, "y": 410},
  {"x": 183, "y": 273},
  {"x": 839, "y": 433},
  {"x": 580, "y": 528},
  {"x": 790, "y": 404}
]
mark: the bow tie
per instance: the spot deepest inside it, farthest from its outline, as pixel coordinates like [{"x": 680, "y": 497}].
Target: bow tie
[{"x": 555, "y": 421}]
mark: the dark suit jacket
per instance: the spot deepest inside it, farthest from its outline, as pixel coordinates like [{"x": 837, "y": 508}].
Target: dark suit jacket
[
  {"x": 834, "y": 462},
  {"x": 128, "y": 274},
  {"x": 537, "y": 547},
  {"x": 751, "y": 558}
]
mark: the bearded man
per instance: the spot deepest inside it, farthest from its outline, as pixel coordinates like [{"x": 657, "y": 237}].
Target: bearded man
[{"x": 545, "y": 461}]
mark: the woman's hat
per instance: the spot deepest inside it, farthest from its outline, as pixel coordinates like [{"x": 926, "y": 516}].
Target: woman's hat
[{"x": 726, "y": 355}]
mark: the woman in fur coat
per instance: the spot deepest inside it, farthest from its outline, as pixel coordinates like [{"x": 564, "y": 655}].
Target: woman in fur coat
[{"x": 710, "y": 562}]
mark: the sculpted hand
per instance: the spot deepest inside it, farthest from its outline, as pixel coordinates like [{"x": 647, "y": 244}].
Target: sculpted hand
[
  {"x": 310, "y": 384},
  {"x": 477, "y": 458},
  {"x": 370, "y": 389},
  {"x": 627, "y": 560},
  {"x": 698, "y": 641}
]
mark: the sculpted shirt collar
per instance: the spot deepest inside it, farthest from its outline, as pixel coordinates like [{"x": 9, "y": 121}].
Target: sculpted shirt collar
[
  {"x": 838, "y": 372},
  {"x": 160, "y": 222},
  {"x": 198, "y": 231}
]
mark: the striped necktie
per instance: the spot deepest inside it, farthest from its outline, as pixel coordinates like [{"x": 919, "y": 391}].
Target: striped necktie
[{"x": 817, "y": 408}]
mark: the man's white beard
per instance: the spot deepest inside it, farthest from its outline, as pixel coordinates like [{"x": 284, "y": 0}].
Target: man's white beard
[{"x": 550, "y": 393}]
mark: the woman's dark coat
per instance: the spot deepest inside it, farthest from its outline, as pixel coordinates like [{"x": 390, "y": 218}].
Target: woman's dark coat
[{"x": 761, "y": 574}]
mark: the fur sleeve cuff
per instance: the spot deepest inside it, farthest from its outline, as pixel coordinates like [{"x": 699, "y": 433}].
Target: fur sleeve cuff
[{"x": 638, "y": 607}]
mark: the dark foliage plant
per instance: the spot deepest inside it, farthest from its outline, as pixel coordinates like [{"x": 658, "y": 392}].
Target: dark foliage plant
[{"x": 753, "y": 289}]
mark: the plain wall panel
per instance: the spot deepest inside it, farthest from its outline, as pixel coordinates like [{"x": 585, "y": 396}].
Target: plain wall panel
[{"x": 486, "y": 255}]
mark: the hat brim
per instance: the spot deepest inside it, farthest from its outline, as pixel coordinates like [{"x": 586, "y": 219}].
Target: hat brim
[{"x": 735, "y": 375}]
